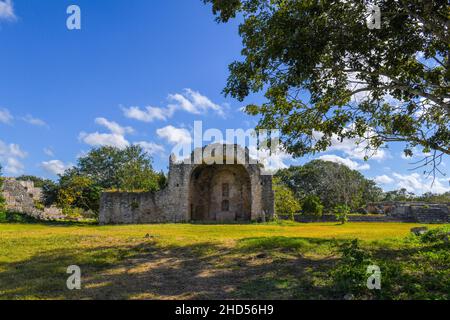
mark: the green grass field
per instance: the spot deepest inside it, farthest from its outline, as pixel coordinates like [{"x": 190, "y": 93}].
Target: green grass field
[{"x": 183, "y": 261}]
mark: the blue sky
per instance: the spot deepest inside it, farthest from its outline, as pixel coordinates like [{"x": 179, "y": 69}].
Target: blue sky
[{"x": 137, "y": 72}]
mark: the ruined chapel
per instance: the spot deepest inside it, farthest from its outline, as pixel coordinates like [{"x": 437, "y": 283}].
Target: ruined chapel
[{"x": 201, "y": 189}]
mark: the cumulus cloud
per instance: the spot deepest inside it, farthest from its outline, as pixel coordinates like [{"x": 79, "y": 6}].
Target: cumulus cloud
[
  {"x": 189, "y": 100},
  {"x": 383, "y": 179},
  {"x": 5, "y": 116},
  {"x": 420, "y": 184},
  {"x": 272, "y": 161},
  {"x": 34, "y": 121},
  {"x": 175, "y": 135},
  {"x": 148, "y": 114},
  {"x": 150, "y": 147},
  {"x": 345, "y": 161},
  {"x": 10, "y": 157},
  {"x": 7, "y": 10},
  {"x": 55, "y": 167},
  {"x": 116, "y": 137}
]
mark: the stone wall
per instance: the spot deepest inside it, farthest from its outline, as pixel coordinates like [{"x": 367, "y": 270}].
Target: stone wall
[{"x": 22, "y": 197}]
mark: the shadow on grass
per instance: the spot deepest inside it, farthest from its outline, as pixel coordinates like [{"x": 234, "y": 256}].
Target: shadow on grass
[
  {"x": 255, "y": 268},
  {"x": 151, "y": 271}
]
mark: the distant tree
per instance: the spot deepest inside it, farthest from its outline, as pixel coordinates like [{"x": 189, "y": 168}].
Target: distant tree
[
  {"x": 113, "y": 168},
  {"x": 327, "y": 75},
  {"x": 399, "y": 195},
  {"x": 312, "y": 206},
  {"x": 78, "y": 192},
  {"x": 435, "y": 198},
  {"x": 333, "y": 183},
  {"x": 285, "y": 201},
  {"x": 341, "y": 213}
]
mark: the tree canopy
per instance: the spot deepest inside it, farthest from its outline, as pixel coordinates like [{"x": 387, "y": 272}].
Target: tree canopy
[
  {"x": 334, "y": 184},
  {"x": 327, "y": 76}
]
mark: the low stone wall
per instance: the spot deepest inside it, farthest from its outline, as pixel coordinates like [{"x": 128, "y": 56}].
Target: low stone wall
[
  {"x": 417, "y": 217},
  {"x": 351, "y": 218}
]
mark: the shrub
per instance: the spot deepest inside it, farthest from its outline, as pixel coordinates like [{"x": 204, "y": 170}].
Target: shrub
[
  {"x": 341, "y": 213},
  {"x": 436, "y": 235},
  {"x": 312, "y": 206},
  {"x": 285, "y": 201}
]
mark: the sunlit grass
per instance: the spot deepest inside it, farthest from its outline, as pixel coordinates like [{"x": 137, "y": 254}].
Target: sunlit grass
[{"x": 149, "y": 261}]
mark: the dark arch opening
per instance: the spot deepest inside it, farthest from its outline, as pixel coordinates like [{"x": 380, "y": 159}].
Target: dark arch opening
[{"x": 220, "y": 193}]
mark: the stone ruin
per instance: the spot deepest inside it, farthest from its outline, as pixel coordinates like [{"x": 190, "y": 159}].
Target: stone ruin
[
  {"x": 198, "y": 191},
  {"x": 24, "y": 197},
  {"x": 412, "y": 211}
]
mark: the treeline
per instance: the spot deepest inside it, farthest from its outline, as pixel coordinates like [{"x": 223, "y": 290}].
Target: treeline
[
  {"x": 322, "y": 186},
  {"x": 105, "y": 168}
]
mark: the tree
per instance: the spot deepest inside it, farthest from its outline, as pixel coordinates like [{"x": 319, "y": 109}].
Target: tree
[
  {"x": 399, "y": 195},
  {"x": 334, "y": 184},
  {"x": 341, "y": 213},
  {"x": 79, "y": 192},
  {"x": 112, "y": 168},
  {"x": 327, "y": 76},
  {"x": 285, "y": 201},
  {"x": 312, "y": 206}
]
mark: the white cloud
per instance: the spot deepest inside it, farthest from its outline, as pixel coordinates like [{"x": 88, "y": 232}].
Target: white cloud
[
  {"x": 175, "y": 135},
  {"x": 34, "y": 121},
  {"x": 114, "y": 127},
  {"x": 345, "y": 161},
  {"x": 116, "y": 137},
  {"x": 272, "y": 161},
  {"x": 7, "y": 10},
  {"x": 383, "y": 179},
  {"x": 55, "y": 167},
  {"x": 420, "y": 184},
  {"x": 10, "y": 156},
  {"x": 5, "y": 116},
  {"x": 189, "y": 101},
  {"x": 49, "y": 152},
  {"x": 150, "y": 147},
  {"x": 149, "y": 114},
  {"x": 104, "y": 139},
  {"x": 356, "y": 149}
]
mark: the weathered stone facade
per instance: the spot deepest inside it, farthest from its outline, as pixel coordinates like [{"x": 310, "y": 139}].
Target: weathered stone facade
[
  {"x": 413, "y": 211},
  {"x": 23, "y": 197},
  {"x": 205, "y": 190}
]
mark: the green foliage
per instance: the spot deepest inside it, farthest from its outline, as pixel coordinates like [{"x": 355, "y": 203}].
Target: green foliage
[
  {"x": 104, "y": 168},
  {"x": 341, "y": 212},
  {"x": 437, "y": 235},
  {"x": 326, "y": 75},
  {"x": 350, "y": 275},
  {"x": 78, "y": 192},
  {"x": 14, "y": 217},
  {"x": 112, "y": 168},
  {"x": 285, "y": 201},
  {"x": 333, "y": 183},
  {"x": 312, "y": 206}
]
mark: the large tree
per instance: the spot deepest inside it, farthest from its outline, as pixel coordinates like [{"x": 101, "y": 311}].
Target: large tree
[
  {"x": 335, "y": 184},
  {"x": 327, "y": 76}
]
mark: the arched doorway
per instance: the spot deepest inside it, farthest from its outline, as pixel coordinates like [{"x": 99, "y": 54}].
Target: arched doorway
[{"x": 220, "y": 193}]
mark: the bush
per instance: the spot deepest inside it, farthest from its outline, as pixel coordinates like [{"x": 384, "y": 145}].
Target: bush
[
  {"x": 341, "y": 213},
  {"x": 312, "y": 206},
  {"x": 285, "y": 201},
  {"x": 436, "y": 235}
]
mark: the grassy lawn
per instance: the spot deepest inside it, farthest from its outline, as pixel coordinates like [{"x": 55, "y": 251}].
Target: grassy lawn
[{"x": 183, "y": 261}]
